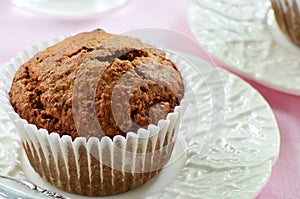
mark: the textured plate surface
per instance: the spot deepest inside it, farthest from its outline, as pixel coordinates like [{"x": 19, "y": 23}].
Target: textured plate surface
[
  {"x": 238, "y": 166},
  {"x": 244, "y": 36}
]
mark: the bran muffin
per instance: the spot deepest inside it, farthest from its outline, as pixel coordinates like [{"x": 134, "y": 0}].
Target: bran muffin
[{"x": 93, "y": 96}]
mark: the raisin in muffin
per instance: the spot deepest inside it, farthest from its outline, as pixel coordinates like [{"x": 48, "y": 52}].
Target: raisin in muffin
[{"x": 103, "y": 112}]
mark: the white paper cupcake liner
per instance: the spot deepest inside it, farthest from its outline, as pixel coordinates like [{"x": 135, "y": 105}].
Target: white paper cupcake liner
[
  {"x": 93, "y": 166},
  {"x": 97, "y": 167},
  {"x": 287, "y": 13}
]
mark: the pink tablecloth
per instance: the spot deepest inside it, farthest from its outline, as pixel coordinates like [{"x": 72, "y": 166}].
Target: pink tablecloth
[{"x": 20, "y": 28}]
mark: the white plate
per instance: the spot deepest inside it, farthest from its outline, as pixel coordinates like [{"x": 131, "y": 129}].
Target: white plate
[
  {"x": 244, "y": 36},
  {"x": 72, "y": 10},
  {"x": 238, "y": 166}
]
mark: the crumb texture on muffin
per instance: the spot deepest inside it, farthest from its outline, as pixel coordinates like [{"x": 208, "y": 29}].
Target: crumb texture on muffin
[
  {"x": 97, "y": 82},
  {"x": 114, "y": 81}
]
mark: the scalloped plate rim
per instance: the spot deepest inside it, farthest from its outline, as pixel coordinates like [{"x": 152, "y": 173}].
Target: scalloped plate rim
[{"x": 247, "y": 74}]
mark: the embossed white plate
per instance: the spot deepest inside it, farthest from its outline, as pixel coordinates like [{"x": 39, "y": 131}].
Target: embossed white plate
[
  {"x": 245, "y": 37},
  {"x": 238, "y": 166}
]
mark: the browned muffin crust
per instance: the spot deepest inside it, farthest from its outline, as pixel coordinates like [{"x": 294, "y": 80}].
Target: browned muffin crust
[{"x": 77, "y": 86}]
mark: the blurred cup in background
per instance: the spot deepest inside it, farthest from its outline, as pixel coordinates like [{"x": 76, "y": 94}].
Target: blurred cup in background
[{"x": 69, "y": 8}]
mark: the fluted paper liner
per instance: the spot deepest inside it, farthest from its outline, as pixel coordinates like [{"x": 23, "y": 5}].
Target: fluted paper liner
[
  {"x": 93, "y": 167},
  {"x": 287, "y": 13},
  {"x": 99, "y": 167}
]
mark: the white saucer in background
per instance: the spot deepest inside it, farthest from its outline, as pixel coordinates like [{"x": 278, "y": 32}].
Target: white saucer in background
[{"x": 244, "y": 36}]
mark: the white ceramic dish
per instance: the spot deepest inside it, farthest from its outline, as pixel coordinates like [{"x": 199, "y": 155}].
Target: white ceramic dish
[
  {"x": 238, "y": 166},
  {"x": 70, "y": 10},
  {"x": 245, "y": 37}
]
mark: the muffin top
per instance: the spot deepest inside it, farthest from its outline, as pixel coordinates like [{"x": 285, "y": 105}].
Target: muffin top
[{"x": 94, "y": 84}]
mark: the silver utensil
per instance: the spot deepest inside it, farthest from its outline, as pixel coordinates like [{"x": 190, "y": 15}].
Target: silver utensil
[{"x": 15, "y": 189}]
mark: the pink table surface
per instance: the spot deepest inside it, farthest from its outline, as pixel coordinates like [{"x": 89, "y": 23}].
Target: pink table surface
[{"x": 21, "y": 28}]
